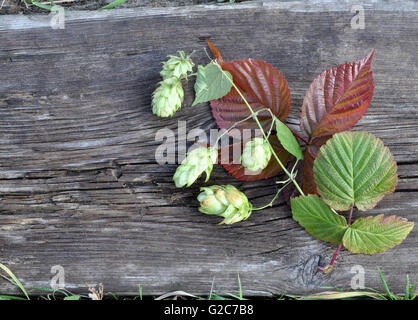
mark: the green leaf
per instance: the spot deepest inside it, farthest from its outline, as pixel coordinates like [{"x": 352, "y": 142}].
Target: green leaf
[
  {"x": 354, "y": 168},
  {"x": 288, "y": 140},
  {"x": 211, "y": 83},
  {"x": 371, "y": 235},
  {"x": 72, "y": 298},
  {"x": 318, "y": 219}
]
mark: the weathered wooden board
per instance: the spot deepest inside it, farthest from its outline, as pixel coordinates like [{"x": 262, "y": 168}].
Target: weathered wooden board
[{"x": 79, "y": 183}]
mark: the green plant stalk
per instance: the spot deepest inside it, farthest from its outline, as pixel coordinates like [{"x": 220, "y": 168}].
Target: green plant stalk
[{"x": 264, "y": 134}]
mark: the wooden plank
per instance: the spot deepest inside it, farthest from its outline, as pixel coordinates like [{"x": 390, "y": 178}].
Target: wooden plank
[{"x": 79, "y": 184}]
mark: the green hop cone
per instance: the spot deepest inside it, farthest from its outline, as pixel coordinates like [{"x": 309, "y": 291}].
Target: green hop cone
[
  {"x": 225, "y": 201},
  {"x": 196, "y": 162},
  {"x": 256, "y": 154},
  {"x": 167, "y": 98},
  {"x": 177, "y": 66}
]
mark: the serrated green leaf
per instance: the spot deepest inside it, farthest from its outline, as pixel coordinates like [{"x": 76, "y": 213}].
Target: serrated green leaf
[
  {"x": 354, "y": 168},
  {"x": 211, "y": 83},
  {"x": 318, "y": 219},
  {"x": 288, "y": 140},
  {"x": 371, "y": 235}
]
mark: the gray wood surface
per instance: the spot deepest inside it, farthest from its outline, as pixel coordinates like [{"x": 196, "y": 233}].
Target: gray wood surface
[{"x": 79, "y": 184}]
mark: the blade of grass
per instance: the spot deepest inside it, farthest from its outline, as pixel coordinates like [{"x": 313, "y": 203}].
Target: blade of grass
[
  {"x": 114, "y": 296},
  {"x": 73, "y": 298},
  {"x": 240, "y": 297},
  {"x": 330, "y": 287},
  {"x": 407, "y": 288},
  {"x": 51, "y": 290},
  {"x": 412, "y": 291},
  {"x": 240, "y": 287},
  {"x": 385, "y": 285},
  {"x": 113, "y": 4},
  {"x": 235, "y": 296},
  {"x": 211, "y": 288},
  {"x": 139, "y": 293},
  {"x": 282, "y": 296},
  {"x": 15, "y": 280},
  {"x": 333, "y": 295},
  {"x": 41, "y": 5},
  {"x": 214, "y": 296},
  {"x": 11, "y": 298}
]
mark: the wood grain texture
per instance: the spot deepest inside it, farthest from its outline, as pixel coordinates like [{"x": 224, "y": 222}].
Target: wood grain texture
[{"x": 79, "y": 184}]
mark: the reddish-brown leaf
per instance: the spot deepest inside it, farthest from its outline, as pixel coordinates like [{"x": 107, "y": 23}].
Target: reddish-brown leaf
[
  {"x": 262, "y": 85},
  {"x": 338, "y": 98},
  {"x": 308, "y": 182},
  {"x": 238, "y": 171}
]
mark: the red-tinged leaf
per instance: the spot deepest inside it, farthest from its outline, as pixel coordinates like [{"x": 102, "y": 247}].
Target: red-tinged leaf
[
  {"x": 305, "y": 176},
  {"x": 262, "y": 85},
  {"x": 239, "y": 172},
  {"x": 215, "y": 52},
  {"x": 308, "y": 182},
  {"x": 338, "y": 98}
]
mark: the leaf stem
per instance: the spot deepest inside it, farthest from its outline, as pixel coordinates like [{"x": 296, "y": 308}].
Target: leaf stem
[
  {"x": 329, "y": 268},
  {"x": 262, "y": 130},
  {"x": 351, "y": 214}
]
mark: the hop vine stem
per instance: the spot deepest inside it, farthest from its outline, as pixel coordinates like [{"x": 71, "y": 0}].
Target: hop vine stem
[{"x": 254, "y": 115}]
